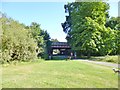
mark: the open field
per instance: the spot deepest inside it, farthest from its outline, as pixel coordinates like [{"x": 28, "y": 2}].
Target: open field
[{"x": 58, "y": 74}]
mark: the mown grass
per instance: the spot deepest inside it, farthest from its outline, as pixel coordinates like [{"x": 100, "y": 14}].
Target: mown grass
[{"x": 58, "y": 74}]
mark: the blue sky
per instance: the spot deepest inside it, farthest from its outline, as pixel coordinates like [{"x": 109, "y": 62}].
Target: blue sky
[{"x": 49, "y": 14}]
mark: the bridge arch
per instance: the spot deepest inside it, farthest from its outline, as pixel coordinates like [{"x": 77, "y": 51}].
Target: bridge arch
[{"x": 63, "y": 47}]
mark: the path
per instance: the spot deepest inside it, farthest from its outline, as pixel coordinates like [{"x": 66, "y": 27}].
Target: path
[{"x": 102, "y": 63}]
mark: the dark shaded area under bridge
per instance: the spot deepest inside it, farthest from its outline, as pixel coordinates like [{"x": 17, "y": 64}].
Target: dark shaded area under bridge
[{"x": 63, "y": 50}]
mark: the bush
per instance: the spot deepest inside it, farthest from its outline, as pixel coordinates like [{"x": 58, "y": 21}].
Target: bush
[
  {"x": 17, "y": 42},
  {"x": 113, "y": 59}
]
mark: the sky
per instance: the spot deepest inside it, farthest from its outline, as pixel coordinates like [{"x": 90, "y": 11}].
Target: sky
[{"x": 49, "y": 15}]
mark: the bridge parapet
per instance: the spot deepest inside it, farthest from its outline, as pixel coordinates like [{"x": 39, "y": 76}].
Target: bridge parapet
[{"x": 58, "y": 45}]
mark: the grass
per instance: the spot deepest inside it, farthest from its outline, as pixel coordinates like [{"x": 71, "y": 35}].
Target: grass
[
  {"x": 0, "y": 77},
  {"x": 58, "y": 74},
  {"x": 112, "y": 59}
]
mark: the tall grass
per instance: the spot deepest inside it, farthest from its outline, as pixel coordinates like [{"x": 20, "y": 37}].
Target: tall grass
[{"x": 113, "y": 59}]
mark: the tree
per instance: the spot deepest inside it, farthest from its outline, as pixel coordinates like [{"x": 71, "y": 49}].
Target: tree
[
  {"x": 54, "y": 40},
  {"x": 47, "y": 42},
  {"x": 36, "y": 32},
  {"x": 20, "y": 42},
  {"x": 85, "y": 27},
  {"x": 17, "y": 43},
  {"x": 113, "y": 23},
  {"x": 42, "y": 38}
]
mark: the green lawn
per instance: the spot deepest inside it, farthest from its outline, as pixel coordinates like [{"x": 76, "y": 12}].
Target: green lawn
[{"x": 58, "y": 74}]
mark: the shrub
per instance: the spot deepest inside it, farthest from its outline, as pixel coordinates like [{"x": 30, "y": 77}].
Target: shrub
[
  {"x": 17, "y": 43},
  {"x": 113, "y": 59}
]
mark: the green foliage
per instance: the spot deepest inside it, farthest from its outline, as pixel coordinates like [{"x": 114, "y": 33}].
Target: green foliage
[
  {"x": 47, "y": 42},
  {"x": 17, "y": 43},
  {"x": 86, "y": 28},
  {"x": 118, "y": 41},
  {"x": 114, "y": 23},
  {"x": 36, "y": 32},
  {"x": 113, "y": 59},
  {"x": 54, "y": 40},
  {"x": 42, "y": 39},
  {"x": 22, "y": 43}
]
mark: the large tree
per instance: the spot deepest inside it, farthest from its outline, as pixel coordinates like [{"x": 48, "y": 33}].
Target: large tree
[
  {"x": 36, "y": 31},
  {"x": 114, "y": 23},
  {"x": 42, "y": 38},
  {"x": 85, "y": 27}
]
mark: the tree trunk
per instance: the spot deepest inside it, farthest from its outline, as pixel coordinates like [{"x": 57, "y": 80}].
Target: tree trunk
[{"x": 88, "y": 55}]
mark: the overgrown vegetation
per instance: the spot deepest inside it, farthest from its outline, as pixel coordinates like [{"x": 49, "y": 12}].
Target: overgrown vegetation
[
  {"x": 20, "y": 42},
  {"x": 113, "y": 59}
]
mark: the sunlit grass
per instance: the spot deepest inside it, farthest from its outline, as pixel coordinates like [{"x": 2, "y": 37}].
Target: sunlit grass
[
  {"x": 58, "y": 74},
  {"x": 112, "y": 59},
  {"x": 0, "y": 77}
]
